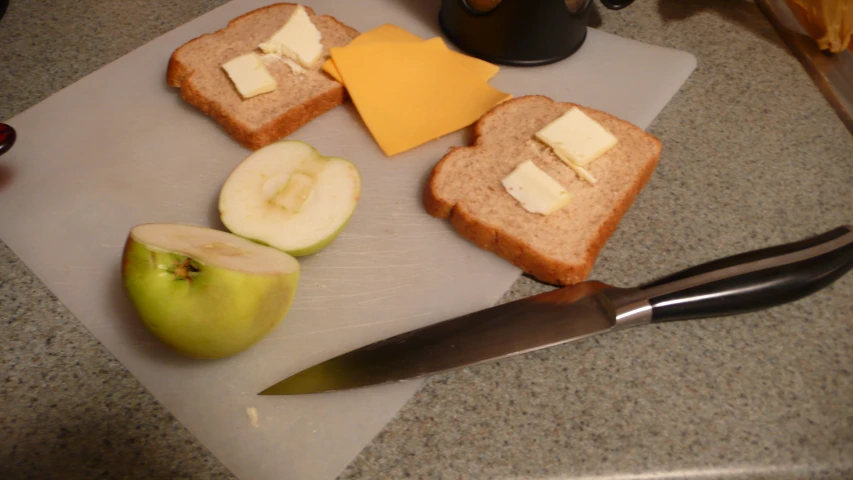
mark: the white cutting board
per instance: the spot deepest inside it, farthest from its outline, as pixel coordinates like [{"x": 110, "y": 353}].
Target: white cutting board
[{"x": 120, "y": 148}]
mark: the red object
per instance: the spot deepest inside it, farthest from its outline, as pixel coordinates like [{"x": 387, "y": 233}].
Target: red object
[{"x": 7, "y": 137}]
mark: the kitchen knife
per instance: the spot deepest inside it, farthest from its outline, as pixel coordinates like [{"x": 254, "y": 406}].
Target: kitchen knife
[{"x": 746, "y": 282}]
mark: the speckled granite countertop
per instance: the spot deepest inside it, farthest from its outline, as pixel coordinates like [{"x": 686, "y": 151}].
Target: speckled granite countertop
[{"x": 753, "y": 155}]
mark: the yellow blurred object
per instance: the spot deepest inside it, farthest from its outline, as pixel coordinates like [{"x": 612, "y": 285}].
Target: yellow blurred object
[{"x": 828, "y": 22}]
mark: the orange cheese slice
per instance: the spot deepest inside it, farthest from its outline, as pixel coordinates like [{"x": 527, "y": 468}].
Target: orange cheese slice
[
  {"x": 409, "y": 93},
  {"x": 394, "y": 34}
]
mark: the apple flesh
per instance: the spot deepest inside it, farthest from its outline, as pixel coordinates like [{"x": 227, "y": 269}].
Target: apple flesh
[
  {"x": 288, "y": 196},
  {"x": 204, "y": 292}
]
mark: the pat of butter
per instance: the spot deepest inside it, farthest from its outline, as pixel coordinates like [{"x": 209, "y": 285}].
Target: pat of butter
[
  {"x": 298, "y": 40},
  {"x": 581, "y": 171},
  {"x": 249, "y": 75},
  {"x": 577, "y": 137},
  {"x": 535, "y": 190},
  {"x": 271, "y": 59}
]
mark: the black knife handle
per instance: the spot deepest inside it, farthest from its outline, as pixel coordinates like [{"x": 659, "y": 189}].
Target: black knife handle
[{"x": 754, "y": 280}]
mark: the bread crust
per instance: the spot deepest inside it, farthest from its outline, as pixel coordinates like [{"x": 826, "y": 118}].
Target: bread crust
[
  {"x": 519, "y": 251},
  {"x": 179, "y": 75}
]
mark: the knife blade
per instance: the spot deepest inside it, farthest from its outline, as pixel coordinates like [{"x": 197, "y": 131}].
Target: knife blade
[{"x": 733, "y": 285}]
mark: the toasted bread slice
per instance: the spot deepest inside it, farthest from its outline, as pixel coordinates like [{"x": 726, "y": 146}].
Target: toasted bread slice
[
  {"x": 195, "y": 68},
  {"x": 560, "y": 248}
]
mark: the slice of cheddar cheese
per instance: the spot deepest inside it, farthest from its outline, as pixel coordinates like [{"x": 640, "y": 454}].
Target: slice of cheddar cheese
[
  {"x": 409, "y": 93},
  {"x": 393, "y": 34}
]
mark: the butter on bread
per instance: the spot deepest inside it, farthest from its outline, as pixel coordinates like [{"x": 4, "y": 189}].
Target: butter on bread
[
  {"x": 299, "y": 97},
  {"x": 562, "y": 247}
]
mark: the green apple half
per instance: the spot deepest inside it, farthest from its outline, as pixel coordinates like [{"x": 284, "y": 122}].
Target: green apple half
[
  {"x": 206, "y": 293},
  {"x": 288, "y": 196}
]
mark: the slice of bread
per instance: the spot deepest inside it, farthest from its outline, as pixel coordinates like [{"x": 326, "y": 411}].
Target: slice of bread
[
  {"x": 560, "y": 248},
  {"x": 195, "y": 68}
]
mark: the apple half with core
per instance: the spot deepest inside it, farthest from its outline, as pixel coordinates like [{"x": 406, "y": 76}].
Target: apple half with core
[
  {"x": 288, "y": 196},
  {"x": 205, "y": 292}
]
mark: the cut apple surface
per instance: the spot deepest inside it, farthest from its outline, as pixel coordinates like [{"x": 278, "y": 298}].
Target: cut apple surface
[
  {"x": 288, "y": 196},
  {"x": 205, "y": 292}
]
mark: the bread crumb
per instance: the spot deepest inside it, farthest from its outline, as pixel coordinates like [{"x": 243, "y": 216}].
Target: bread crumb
[{"x": 252, "y": 413}]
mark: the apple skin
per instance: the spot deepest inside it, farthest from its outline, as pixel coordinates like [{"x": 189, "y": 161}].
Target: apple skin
[
  {"x": 302, "y": 252},
  {"x": 217, "y": 314}
]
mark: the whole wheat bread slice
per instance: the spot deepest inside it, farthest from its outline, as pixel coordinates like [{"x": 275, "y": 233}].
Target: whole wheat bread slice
[
  {"x": 560, "y": 248},
  {"x": 195, "y": 68}
]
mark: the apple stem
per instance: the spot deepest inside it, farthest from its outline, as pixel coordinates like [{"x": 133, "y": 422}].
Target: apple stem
[{"x": 185, "y": 270}]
